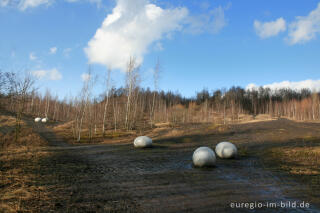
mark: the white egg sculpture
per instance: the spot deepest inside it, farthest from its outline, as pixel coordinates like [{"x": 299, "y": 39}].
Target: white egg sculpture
[
  {"x": 226, "y": 150},
  {"x": 142, "y": 142},
  {"x": 203, "y": 157},
  {"x": 37, "y": 119},
  {"x": 44, "y": 120}
]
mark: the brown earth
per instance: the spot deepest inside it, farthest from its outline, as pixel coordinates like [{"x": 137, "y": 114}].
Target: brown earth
[{"x": 119, "y": 178}]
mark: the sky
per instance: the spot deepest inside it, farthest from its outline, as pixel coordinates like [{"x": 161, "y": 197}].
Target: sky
[{"x": 200, "y": 44}]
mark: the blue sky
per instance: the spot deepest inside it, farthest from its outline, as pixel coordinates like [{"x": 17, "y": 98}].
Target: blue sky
[{"x": 200, "y": 44}]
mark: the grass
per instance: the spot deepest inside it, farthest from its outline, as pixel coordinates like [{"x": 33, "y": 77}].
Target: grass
[
  {"x": 302, "y": 164},
  {"x": 8, "y": 121},
  {"x": 298, "y": 160},
  {"x": 162, "y": 130},
  {"x": 19, "y": 171},
  {"x": 65, "y": 131}
]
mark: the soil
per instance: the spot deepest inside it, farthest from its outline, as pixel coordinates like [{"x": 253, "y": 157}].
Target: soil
[{"x": 120, "y": 178}]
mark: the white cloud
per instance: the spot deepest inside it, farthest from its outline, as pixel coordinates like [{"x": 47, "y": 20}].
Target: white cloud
[
  {"x": 213, "y": 21},
  {"x": 269, "y": 29},
  {"x": 97, "y": 2},
  {"x": 66, "y": 52},
  {"x": 218, "y": 21},
  {"x": 32, "y": 56},
  {"x": 158, "y": 46},
  {"x": 85, "y": 77},
  {"x": 25, "y": 4},
  {"x": 52, "y": 74},
  {"x": 129, "y": 30},
  {"x": 53, "y": 50},
  {"x": 4, "y": 3},
  {"x": 313, "y": 85},
  {"x": 39, "y": 73},
  {"x": 305, "y": 28}
]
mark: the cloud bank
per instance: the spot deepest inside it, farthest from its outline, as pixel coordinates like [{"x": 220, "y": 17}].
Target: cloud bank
[
  {"x": 52, "y": 74},
  {"x": 129, "y": 30},
  {"x": 313, "y": 85},
  {"x": 269, "y": 29}
]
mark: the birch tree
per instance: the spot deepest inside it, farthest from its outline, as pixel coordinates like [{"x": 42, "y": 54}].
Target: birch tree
[
  {"x": 107, "y": 96},
  {"x": 156, "y": 73},
  {"x": 132, "y": 79},
  {"x": 83, "y": 103}
]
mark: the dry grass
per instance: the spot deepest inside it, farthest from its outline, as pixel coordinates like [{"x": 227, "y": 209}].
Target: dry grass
[
  {"x": 19, "y": 186},
  {"x": 160, "y": 125},
  {"x": 162, "y": 129},
  {"x": 27, "y": 139},
  {"x": 19, "y": 170},
  {"x": 218, "y": 127},
  {"x": 8, "y": 121},
  {"x": 258, "y": 118},
  {"x": 299, "y": 160},
  {"x": 66, "y": 132}
]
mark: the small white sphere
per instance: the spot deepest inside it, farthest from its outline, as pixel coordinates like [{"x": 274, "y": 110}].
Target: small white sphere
[
  {"x": 44, "y": 120},
  {"x": 226, "y": 150},
  {"x": 37, "y": 119},
  {"x": 142, "y": 142},
  {"x": 204, "y": 156}
]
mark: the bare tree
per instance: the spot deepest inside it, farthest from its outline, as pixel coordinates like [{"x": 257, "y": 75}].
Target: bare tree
[
  {"x": 55, "y": 108},
  {"x": 107, "y": 95},
  {"x": 132, "y": 80},
  {"x": 83, "y": 103},
  {"x": 2, "y": 87},
  {"x": 156, "y": 73},
  {"x": 115, "y": 112},
  {"x": 20, "y": 88},
  {"x": 2, "y": 82},
  {"x": 47, "y": 106}
]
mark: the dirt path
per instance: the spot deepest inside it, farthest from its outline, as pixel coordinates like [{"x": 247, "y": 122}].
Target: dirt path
[{"x": 118, "y": 178}]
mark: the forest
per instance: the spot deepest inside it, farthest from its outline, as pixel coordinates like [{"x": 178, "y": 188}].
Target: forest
[{"x": 132, "y": 107}]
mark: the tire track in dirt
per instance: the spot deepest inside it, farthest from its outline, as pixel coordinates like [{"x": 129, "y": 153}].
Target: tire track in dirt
[
  {"x": 119, "y": 178},
  {"x": 74, "y": 183},
  {"x": 163, "y": 180},
  {"x": 46, "y": 133}
]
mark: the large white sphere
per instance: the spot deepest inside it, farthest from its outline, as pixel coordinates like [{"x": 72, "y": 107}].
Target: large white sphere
[
  {"x": 37, "y": 119},
  {"x": 142, "y": 142},
  {"x": 204, "y": 156},
  {"x": 44, "y": 120},
  {"x": 226, "y": 150}
]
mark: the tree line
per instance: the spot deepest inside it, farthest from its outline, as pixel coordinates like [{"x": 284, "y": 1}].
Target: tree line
[{"x": 131, "y": 107}]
